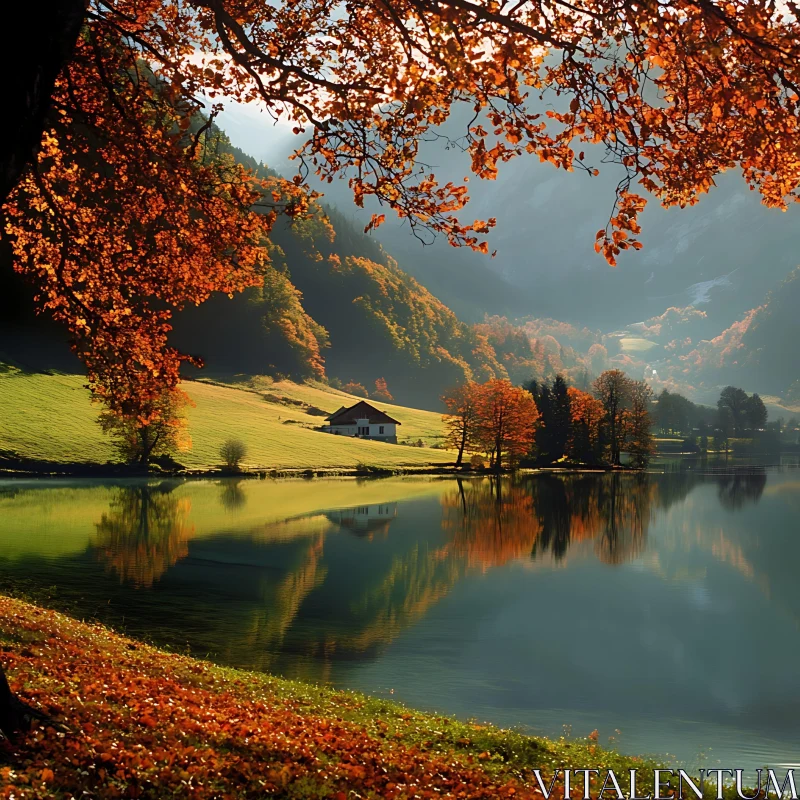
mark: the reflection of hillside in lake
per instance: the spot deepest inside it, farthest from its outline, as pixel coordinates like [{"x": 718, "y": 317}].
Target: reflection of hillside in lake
[{"x": 481, "y": 597}]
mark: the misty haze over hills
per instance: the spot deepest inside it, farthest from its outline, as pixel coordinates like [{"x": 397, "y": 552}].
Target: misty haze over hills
[{"x": 722, "y": 255}]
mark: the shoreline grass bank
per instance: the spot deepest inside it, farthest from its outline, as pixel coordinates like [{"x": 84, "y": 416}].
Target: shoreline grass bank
[
  {"x": 145, "y": 723},
  {"x": 11, "y": 469}
]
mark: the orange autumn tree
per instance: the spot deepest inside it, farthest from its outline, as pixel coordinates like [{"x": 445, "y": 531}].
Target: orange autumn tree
[
  {"x": 131, "y": 211},
  {"x": 462, "y": 419},
  {"x": 507, "y": 417},
  {"x": 145, "y": 531},
  {"x": 586, "y": 417},
  {"x": 126, "y": 212},
  {"x": 163, "y": 433},
  {"x": 382, "y": 391},
  {"x": 353, "y": 387},
  {"x": 491, "y": 522}
]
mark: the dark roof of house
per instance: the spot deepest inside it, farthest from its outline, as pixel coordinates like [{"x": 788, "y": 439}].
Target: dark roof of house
[{"x": 361, "y": 410}]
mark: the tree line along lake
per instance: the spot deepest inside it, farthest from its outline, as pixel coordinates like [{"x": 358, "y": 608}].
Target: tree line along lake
[{"x": 658, "y": 608}]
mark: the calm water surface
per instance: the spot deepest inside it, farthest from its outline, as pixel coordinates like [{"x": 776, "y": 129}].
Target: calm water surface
[{"x": 661, "y": 609}]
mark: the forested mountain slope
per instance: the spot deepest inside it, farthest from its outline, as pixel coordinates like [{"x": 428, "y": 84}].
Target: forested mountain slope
[{"x": 332, "y": 305}]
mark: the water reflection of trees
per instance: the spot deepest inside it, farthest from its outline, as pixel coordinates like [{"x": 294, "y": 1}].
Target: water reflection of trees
[
  {"x": 232, "y": 496},
  {"x": 737, "y": 484},
  {"x": 416, "y": 580},
  {"x": 626, "y": 512},
  {"x": 487, "y": 523},
  {"x": 145, "y": 531},
  {"x": 353, "y": 617},
  {"x": 270, "y": 622},
  {"x": 352, "y": 597},
  {"x": 495, "y": 521},
  {"x": 491, "y": 521},
  {"x": 741, "y": 488}
]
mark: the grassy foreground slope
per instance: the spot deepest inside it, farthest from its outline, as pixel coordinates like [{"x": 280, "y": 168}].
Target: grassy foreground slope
[
  {"x": 148, "y": 724},
  {"x": 50, "y": 417}
]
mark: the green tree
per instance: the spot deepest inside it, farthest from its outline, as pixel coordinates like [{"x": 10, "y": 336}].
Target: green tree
[
  {"x": 733, "y": 405},
  {"x": 673, "y": 413},
  {"x": 725, "y": 427},
  {"x": 756, "y": 413},
  {"x": 232, "y": 453},
  {"x": 543, "y": 398}
]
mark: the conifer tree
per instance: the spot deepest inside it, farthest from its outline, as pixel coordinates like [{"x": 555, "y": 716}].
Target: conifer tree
[{"x": 559, "y": 418}]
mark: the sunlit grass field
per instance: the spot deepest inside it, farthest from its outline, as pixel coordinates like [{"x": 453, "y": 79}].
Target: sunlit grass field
[{"x": 50, "y": 417}]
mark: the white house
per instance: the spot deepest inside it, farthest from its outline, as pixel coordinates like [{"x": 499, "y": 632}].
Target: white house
[{"x": 364, "y": 422}]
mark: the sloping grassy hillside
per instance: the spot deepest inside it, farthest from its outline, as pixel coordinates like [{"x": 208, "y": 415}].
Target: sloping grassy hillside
[
  {"x": 50, "y": 417},
  {"x": 416, "y": 423}
]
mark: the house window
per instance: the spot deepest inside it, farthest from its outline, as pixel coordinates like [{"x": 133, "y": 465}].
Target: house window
[
  {"x": 380, "y": 430},
  {"x": 363, "y": 431}
]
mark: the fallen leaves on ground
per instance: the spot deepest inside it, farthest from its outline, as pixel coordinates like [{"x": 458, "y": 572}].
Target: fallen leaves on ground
[{"x": 148, "y": 724}]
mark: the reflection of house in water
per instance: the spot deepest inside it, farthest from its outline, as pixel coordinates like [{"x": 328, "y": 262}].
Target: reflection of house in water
[{"x": 365, "y": 520}]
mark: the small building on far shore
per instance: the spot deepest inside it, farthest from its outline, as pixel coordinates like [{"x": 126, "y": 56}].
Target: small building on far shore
[{"x": 362, "y": 421}]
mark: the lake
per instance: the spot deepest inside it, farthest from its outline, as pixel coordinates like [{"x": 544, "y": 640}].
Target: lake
[{"x": 662, "y": 609}]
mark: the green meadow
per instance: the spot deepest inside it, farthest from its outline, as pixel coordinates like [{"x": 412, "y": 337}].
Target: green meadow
[{"x": 50, "y": 417}]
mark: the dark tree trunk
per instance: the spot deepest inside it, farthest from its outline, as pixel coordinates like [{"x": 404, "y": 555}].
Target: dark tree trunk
[
  {"x": 463, "y": 443},
  {"x": 36, "y": 44},
  {"x": 6, "y": 698},
  {"x": 17, "y": 716},
  {"x": 498, "y": 452}
]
